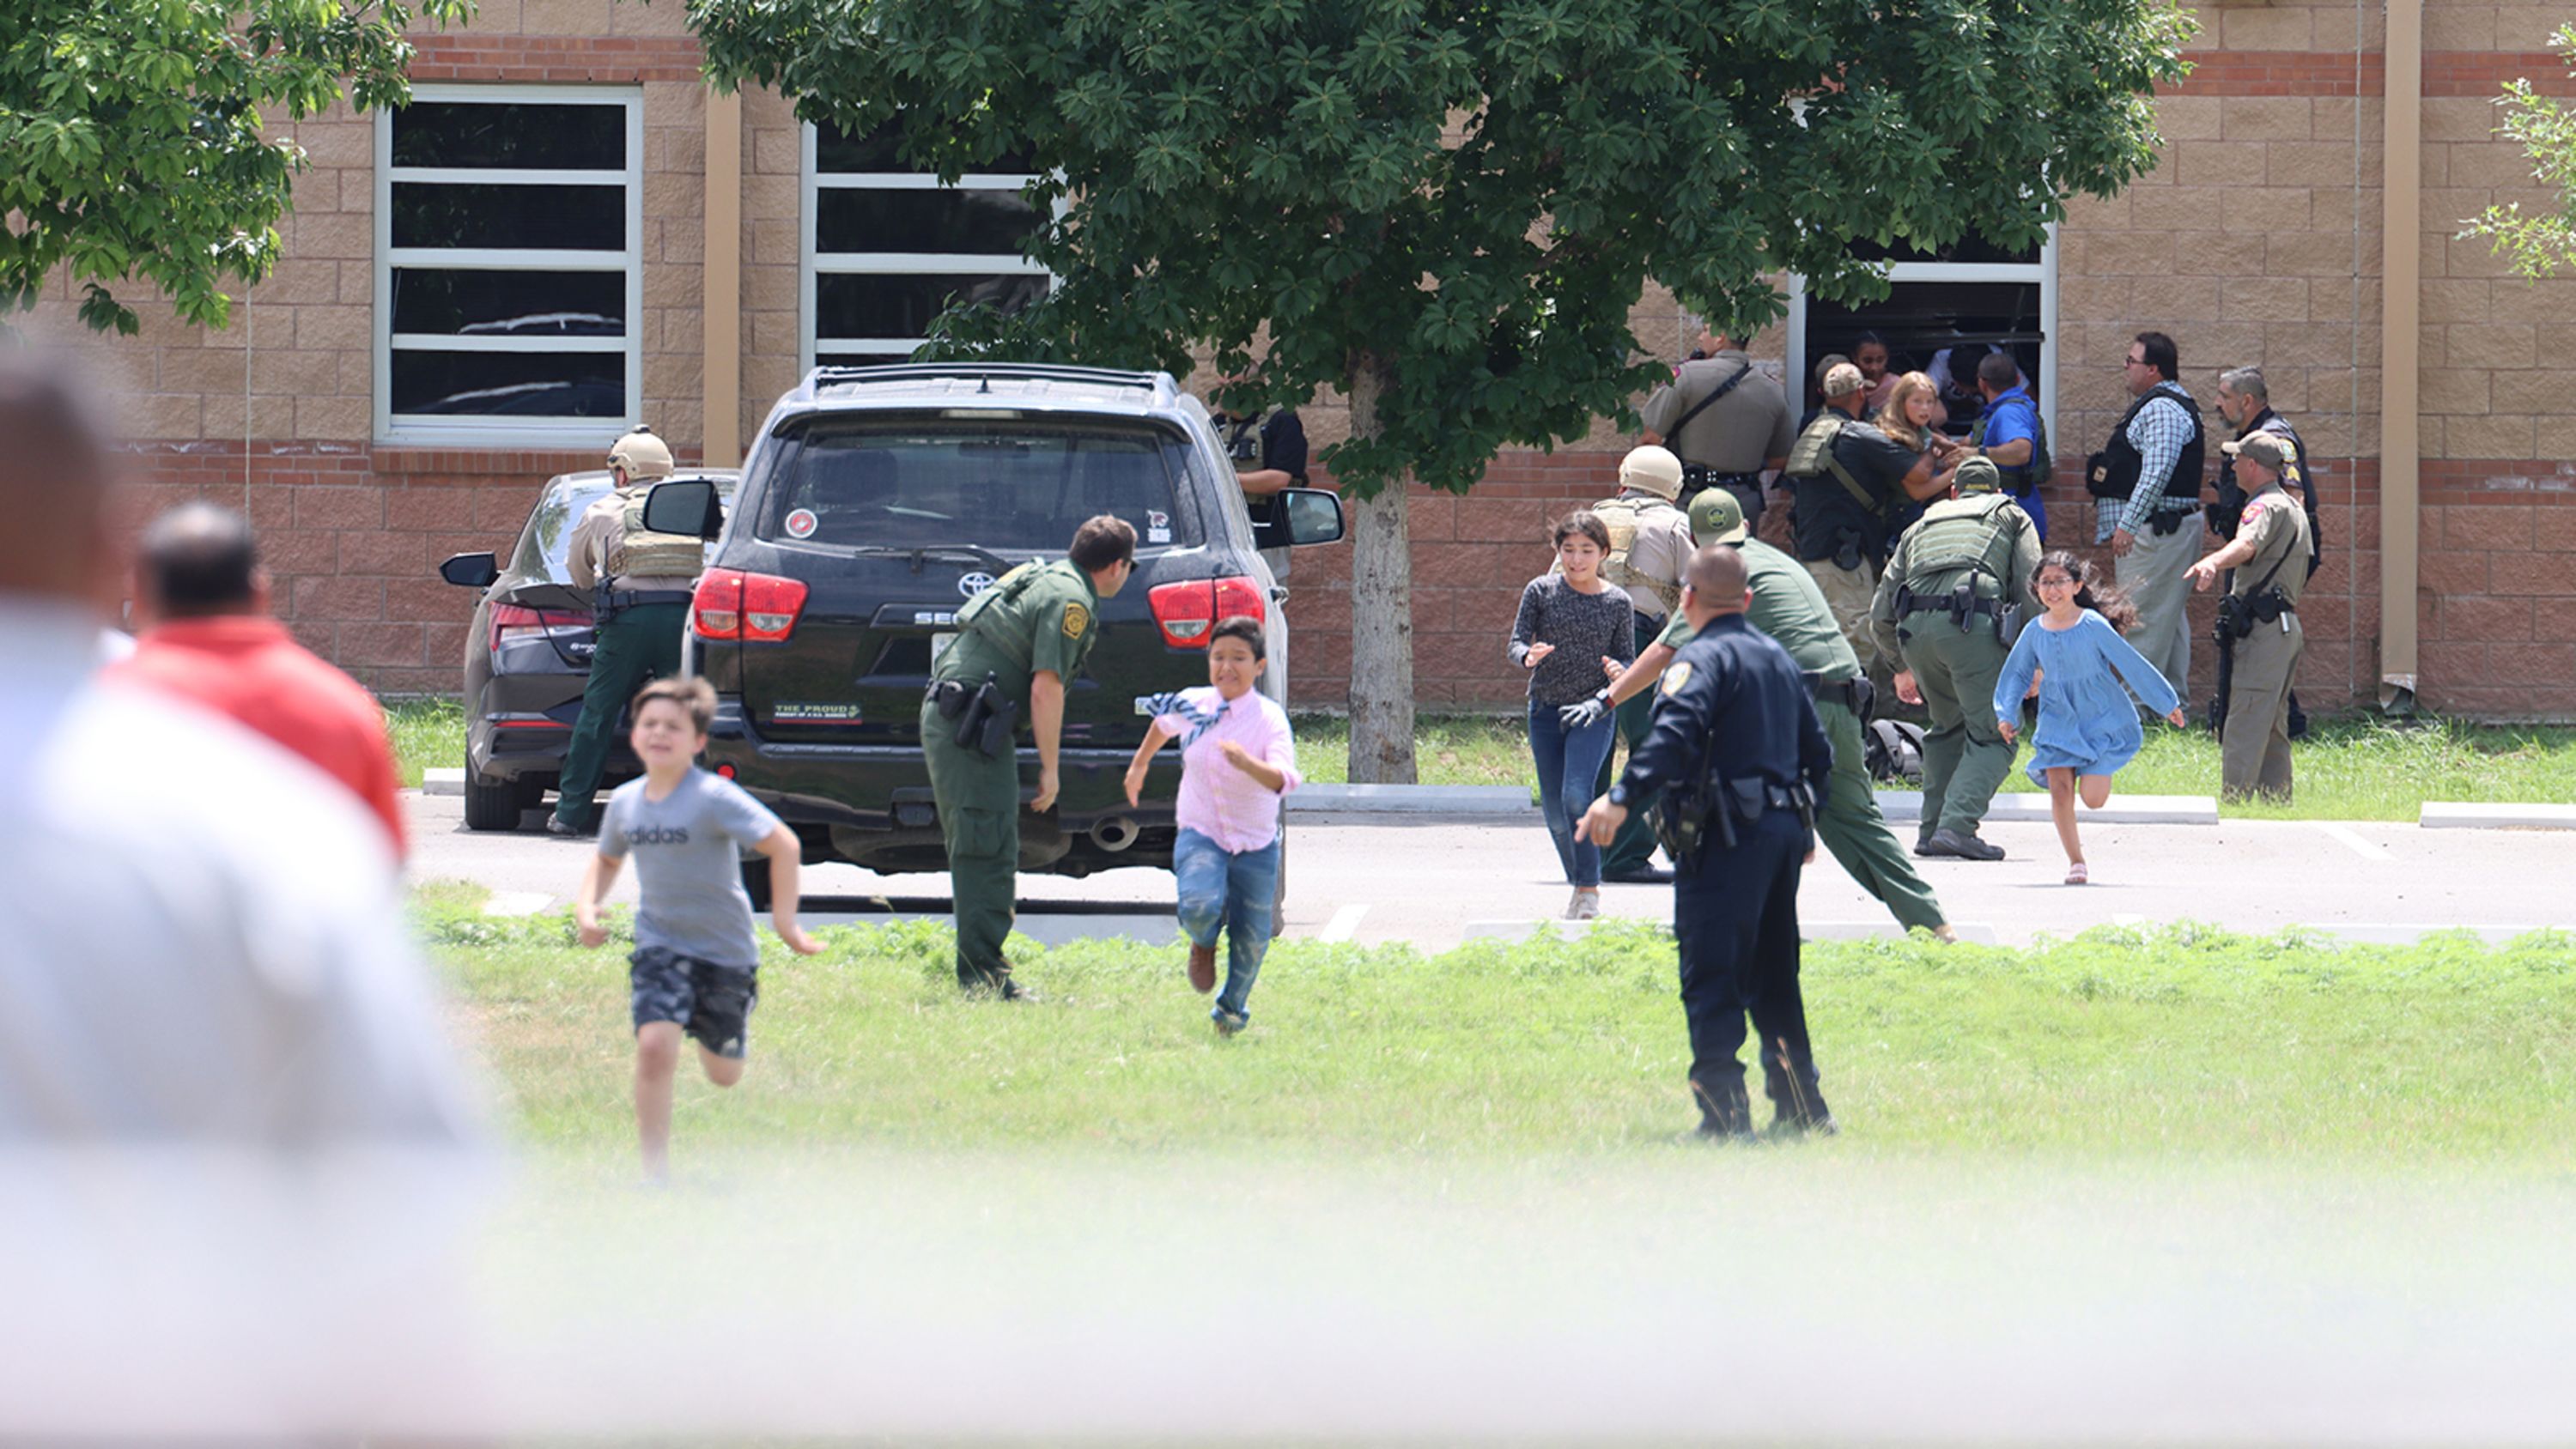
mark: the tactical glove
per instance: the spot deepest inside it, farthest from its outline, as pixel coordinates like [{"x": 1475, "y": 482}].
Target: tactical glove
[{"x": 1586, "y": 714}]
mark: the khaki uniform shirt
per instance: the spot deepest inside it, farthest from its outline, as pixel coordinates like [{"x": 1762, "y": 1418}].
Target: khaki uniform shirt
[
  {"x": 1048, "y": 625},
  {"x": 1739, "y": 433},
  {"x": 1789, "y": 607},
  {"x": 2276, "y": 523},
  {"x": 596, "y": 537}
]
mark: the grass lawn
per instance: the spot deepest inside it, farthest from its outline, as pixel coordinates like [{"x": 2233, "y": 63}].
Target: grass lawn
[
  {"x": 2348, "y": 769},
  {"x": 2182, "y": 1044}
]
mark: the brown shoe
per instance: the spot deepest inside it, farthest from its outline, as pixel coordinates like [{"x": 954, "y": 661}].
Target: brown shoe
[{"x": 1202, "y": 969}]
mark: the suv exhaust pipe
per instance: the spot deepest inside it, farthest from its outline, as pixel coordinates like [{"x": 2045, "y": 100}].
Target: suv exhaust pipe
[{"x": 1115, "y": 833}]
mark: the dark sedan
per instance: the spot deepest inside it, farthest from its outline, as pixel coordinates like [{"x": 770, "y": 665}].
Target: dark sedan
[{"x": 527, "y": 657}]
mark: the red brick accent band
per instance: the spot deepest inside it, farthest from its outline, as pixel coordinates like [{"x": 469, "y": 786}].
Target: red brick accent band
[
  {"x": 526, "y": 59},
  {"x": 2332, "y": 73}
]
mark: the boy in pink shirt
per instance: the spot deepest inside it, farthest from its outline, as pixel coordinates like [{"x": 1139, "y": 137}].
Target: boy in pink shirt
[{"x": 1237, "y": 759}]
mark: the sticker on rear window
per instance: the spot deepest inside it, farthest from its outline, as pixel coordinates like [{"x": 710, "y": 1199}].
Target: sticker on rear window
[
  {"x": 1158, "y": 526},
  {"x": 802, "y": 523}
]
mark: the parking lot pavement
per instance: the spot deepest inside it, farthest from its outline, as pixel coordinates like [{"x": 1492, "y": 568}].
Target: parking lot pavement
[{"x": 1435, "y": 884}]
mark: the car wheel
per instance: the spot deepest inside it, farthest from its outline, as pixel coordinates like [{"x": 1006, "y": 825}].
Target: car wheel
[
  {"x": 755, "y": 879},
  {"x": 490, "y": 804}
]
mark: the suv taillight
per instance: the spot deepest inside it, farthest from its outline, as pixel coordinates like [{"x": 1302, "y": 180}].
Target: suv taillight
[
  {"x": 517, "y": 621},
  {"x": 755, "y": 608},
  {"x": 1186, "y": 612}
]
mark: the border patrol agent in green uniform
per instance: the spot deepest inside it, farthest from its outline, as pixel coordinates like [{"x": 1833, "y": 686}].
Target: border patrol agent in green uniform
[
  {"x": 1954, "y": 576},
  {"x": 2261, "y": 614},
  {"x": 1789, "y": 607},
  {"x": 639, "y": 584},
  {"x": 1017, "y": 644}
]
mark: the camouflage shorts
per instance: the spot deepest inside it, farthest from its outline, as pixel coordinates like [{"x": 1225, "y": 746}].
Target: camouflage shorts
[{"x": 711, "y": 1003}]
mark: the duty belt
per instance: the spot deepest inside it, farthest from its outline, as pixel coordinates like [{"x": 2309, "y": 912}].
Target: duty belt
[{"x": 637, "y": 597}]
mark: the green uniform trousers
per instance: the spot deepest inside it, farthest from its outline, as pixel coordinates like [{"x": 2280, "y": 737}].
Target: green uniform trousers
[
  {"x": 1633, "y": 848},
  {"x": 637, "y": 646},
  {"x": 2254, "y": 748},
  {"x": 1851, "y": 827},
  {"x": 1965, "y": 756},
  {"x": 979, "y": 820}
]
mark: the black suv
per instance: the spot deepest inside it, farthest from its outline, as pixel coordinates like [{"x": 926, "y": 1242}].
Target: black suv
[
  {"x": 527, "y": 657},
  {"x": 876, "y": 501}
]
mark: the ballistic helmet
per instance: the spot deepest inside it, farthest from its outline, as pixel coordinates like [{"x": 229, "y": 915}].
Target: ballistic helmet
[
  {"x": 1651, "y": 469},
  {"x": 643, "y": 456}
]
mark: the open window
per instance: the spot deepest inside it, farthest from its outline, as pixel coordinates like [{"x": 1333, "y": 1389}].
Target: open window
[{"x": 1960, "y": 303}]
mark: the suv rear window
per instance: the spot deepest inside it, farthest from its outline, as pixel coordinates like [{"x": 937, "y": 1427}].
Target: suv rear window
[{"x": 1003, "y": 483}]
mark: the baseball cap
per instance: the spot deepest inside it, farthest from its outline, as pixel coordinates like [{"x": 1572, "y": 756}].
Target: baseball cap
[
  {"x": 1843, "y": 379},
  {"x": 1978, "y": 475},
  {"x": 2268, "y": 449},
  {"x": 1651, "y": 469},
  {"x": 1716, "y": 517}
]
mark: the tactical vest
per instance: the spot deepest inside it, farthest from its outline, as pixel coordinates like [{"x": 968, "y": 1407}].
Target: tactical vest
[
  {"x": 1836, "y": 513},
  {"x": 2300, "y": 475},
  {"x": 1242, "y": 440},
  {"x": 1621, "y": 516},
  {"x": 641, "y": 553},
  {"x": 1961, "y": 534},
  {"x": 2114, "y": 471}
]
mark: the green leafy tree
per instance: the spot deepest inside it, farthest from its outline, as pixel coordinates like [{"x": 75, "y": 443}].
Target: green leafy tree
[
  {"x": 131, "y": 145},
  {"x": 2537, "y": 244},
  {"x": 1446, "y": 208}
]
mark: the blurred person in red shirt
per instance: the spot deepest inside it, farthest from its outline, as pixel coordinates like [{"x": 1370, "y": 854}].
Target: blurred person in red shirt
[{"x": 209, "y": 637}]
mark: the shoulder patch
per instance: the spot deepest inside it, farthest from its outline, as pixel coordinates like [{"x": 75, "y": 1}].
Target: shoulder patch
[
  {"x": 2252, "y": 512},
  {"x": 1677, "y": 678},
  {"x": 1076, "y": 619}
]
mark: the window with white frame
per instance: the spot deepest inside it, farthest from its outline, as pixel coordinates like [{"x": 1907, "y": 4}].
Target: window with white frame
[
  {"x": 1958, "y": 303},
  {"x": 887, "y": 247},
  {"x": 509, "y": 285}
]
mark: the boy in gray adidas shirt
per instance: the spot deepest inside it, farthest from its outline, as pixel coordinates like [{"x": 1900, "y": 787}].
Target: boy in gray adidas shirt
[{"x": 695, "y": 968}]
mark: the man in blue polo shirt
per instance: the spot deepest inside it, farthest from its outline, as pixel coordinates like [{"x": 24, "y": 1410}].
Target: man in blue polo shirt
[{"x": 2009, "y": 435}]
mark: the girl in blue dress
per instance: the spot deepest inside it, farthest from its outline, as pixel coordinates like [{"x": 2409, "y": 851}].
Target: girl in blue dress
[{"x": 2088, "y": 725}]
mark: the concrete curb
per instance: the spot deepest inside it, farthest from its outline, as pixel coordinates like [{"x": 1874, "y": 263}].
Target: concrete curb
[
  {"x": 442, "y": 782},
  {"x": 1503, "y": 800},
  {"x": 2456, "y": 815},
  {"x": 2024, "y": 809}
]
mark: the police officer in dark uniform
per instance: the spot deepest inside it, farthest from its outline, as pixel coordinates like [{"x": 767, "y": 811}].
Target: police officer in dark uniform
[
  {"x": 2245, "y": 401},
  {"x": 1739, "y": 763}
]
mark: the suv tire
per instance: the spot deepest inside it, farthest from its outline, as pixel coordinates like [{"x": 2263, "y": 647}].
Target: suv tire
[
  {"x": 755, "y": 882},
  {"x": 490, "y": 804}
]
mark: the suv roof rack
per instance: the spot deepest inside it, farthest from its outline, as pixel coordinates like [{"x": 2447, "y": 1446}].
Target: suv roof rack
[{"x": 1159, "y": 384}]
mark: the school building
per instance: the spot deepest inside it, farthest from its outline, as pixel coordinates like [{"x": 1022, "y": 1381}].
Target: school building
[{"x": 569, "y": 233}]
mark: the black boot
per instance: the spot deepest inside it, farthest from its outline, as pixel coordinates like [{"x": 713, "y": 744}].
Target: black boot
[{"x": 1725, "y": 1113}]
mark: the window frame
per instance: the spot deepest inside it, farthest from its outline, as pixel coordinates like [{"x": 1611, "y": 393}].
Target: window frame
[
  {"x": 2043, "y": 272},
  {"x": 812, "y": 262},
  {"x": 451, "y": 431}
]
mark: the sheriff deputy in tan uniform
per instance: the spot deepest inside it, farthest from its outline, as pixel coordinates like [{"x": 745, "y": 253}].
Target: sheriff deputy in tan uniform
[
  {"x": 2261, "y": 613},
  {"x": 639, "y": 585}
]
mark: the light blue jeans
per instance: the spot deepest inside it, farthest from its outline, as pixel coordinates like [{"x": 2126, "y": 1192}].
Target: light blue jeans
[
  {"x": 1235, "y": 893},
  {"x": 1568, "y": 761}
]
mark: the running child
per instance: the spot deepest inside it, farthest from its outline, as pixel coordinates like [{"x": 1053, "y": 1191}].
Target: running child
[
  {"x": 1237, "y": 759},
  {"x": 695, "y": 968},
  {"x": 2088, "y": 724}
]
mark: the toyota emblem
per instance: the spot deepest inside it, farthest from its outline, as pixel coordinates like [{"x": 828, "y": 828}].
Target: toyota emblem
[{"x": 974, "y": 583}]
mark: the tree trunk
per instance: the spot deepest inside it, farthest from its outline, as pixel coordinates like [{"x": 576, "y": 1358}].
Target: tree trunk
[{"x": 1381, "y": 611}]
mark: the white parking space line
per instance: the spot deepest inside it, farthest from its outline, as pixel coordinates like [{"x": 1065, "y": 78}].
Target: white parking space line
[
  {"x": 1344, "y": 924},
  {"x": 2363, "y": 848}
]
